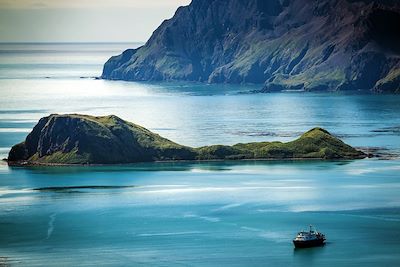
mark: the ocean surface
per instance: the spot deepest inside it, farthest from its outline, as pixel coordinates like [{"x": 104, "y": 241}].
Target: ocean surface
[{"x": 193, "y": 214}]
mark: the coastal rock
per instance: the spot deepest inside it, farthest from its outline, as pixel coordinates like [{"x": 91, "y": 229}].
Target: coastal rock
[
  {"x": 80, "y": 139},
  {"x": 283, "y": 44},
  {"x": 83, "y": 139}
]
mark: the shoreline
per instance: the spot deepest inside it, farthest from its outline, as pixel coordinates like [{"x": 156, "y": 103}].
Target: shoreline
[
  {"x": 131, "y": 143},
  {"x": 40, "y": 164},
  {"x": 366, "y": 151}
]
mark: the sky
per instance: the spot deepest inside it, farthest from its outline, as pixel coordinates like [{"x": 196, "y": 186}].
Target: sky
[{"x": 83, "y": 20}]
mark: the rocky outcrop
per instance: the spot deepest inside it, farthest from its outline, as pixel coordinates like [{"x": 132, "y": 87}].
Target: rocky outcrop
[
  {"x": 83, "y": 139},
  {"x": 80, "y": 139},
  {"x": 283, "y": 44}
]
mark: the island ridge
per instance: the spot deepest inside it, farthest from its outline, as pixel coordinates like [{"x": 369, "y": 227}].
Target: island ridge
[{"x": 84, "y": 139}]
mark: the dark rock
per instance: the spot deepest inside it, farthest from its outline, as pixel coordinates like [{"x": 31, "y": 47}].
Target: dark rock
[{"x": 324, "y": 45}]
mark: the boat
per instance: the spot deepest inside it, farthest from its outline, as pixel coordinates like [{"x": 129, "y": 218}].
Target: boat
[{"x": 313, "y": 238}]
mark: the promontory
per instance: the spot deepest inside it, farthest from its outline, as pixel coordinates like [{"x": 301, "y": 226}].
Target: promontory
[
  {"x": 84, "y": 139},
  {"x": 280, "y": 44}
]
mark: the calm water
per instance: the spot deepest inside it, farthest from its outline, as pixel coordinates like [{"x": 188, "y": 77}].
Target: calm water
[{"x": 208, "y": 214}]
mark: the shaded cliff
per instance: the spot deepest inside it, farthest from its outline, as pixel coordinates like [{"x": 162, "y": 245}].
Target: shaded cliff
[
  {"x": 83, "y": 139},
  {"x": 283, "y": 44},
  {"x": 79, "y": 139}
]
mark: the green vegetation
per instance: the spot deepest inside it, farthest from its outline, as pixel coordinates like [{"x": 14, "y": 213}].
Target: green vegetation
[
  {"x": 392, "y": 80},
  {"x": 82, "y": 139},
  {"x": 273, "y": 45},
  {"x": 314, "y": 144}
]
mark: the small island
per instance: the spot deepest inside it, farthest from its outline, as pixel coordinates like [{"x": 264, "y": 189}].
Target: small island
[{"x": 83, "y": 139}]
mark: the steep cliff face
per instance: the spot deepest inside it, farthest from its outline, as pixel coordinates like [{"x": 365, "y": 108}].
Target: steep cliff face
[
  {"x": 80, "y": 139},
  {"x": 283, "y": 44}
]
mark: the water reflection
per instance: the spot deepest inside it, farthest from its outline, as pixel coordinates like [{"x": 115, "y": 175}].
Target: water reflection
[{"x": 309, "y": 256}]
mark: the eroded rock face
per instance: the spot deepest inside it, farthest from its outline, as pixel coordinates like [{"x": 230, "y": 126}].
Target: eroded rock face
[
  {"x": 80, "y": 139},
  {"x": 284, "y": 44}
]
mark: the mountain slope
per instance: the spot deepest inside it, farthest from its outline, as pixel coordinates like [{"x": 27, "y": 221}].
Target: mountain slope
[
  {"x": 283, "y": 44},
  {"x": 83, "y": 139}
]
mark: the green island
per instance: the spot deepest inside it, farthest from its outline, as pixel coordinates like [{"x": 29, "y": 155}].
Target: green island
[{"x": 83, "y": 139}]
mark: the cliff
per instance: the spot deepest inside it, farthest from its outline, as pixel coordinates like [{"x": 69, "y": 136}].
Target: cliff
[
  {"x": 283, "y": 44},
  {"x": 80, "y": 139},
  {"x": 83, "y": 139}
]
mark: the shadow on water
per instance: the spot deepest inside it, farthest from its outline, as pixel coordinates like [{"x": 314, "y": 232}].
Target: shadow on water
[
  {"x": 305, "y": 256},
  {"x": 183, "y": 166},
  {"x": 63, "y": 189}
]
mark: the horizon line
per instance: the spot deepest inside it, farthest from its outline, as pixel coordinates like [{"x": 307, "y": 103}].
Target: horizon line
[{"x": 72, "y": 42}]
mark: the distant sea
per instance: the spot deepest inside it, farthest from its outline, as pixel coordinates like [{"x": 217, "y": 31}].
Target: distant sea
[{"x": 193, "y": 214}]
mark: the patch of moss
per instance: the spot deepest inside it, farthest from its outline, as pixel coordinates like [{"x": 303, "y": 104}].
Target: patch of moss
[
  {"x": 316, "y": 143},
  {"x": 389, "y": 83},
  {"x": 311, "y": 80},
  {"x": 71, "y": 157}
]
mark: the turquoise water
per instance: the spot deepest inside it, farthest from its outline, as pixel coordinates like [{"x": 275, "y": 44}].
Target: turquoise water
[{"x": 200, "y": 214}]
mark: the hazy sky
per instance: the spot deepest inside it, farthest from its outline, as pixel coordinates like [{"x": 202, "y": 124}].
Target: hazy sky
[{"x": 83, "y": 20}]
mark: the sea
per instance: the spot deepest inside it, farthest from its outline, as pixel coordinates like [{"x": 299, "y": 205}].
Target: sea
[{"x": 234, "y": 213}]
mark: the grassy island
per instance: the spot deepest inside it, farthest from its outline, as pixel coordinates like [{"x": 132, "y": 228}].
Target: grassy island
[{"x": 84, "y": 139}]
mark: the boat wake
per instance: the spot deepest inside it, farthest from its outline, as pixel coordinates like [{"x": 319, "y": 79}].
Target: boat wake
[{"x": 50, "y": 228}]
